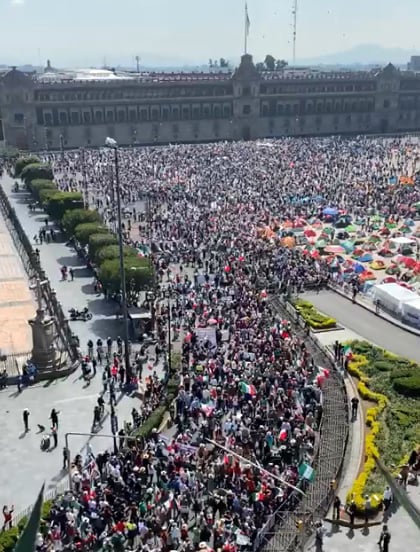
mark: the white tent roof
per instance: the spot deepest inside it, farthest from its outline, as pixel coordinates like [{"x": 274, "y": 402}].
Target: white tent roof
[{"x": 402, "y": 240}]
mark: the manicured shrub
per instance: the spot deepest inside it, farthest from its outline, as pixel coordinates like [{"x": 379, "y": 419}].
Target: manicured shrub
[
  {"x": 61, "y": 202},
  {"x": 36, "y": 171},
  {"x": 73, "y": 218},
  {"x": 83, "y": 231},
  {"x": 153, "y": 421},
  {"x": 41, "y": 184},
  {"x": 8, "y": 539},
  {"x": 408, "y": 386},
  {"x": 138, "y": 274},
  {"x": 313, "y": 317},
  {"x": 100, "y": 240},
  {"x": 23, "y": 162},
  {"x": 382, "y": 365},
  {"x": 110, "y": 252}
]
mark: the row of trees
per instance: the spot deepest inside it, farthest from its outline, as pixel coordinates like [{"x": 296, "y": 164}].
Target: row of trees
[
  {"x": 86, "y": 227},
  {"x": 270, "y": 63},
  {"x": 221, "y": 63}
]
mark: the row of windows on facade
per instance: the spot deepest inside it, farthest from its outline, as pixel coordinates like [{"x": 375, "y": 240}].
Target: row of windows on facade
[
  {"x": 309, "y": 107},
  {"x": 174, "y": 92},
  {"x": 185, "y": 113},
  {"x": 133, "y": 115},
  {"x": 132, "y": 93},
  {"x": 319, "y": 89}
]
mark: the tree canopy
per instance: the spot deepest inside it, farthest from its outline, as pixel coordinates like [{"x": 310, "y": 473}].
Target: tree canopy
[
  {"x": 73, "y": 218},
  {"x": 82, "y": 232},
  {"x": 36, "y": 171},
  {"x": 22, "y": 162},
  {"x": 138, "y": 274}
]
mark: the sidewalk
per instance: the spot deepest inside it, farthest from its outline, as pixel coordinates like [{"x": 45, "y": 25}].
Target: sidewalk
[
  {"x": 17, "y": 304},
  {"x": 367, "y": 304}
]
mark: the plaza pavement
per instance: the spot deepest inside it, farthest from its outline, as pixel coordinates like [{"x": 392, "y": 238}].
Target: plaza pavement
[
  {"x": 24, "y": 466},
  {"x": 17, "y": 304}
]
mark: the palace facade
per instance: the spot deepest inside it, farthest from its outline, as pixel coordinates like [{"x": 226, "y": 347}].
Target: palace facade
[{"x": 70, "y": 110}]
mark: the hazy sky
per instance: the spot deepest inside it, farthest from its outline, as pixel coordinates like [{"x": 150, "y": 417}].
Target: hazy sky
[{"x": 84, "y": 32}]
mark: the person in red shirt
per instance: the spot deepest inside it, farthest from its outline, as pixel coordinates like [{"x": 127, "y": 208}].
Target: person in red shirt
[{"x": 7, "y": 516}]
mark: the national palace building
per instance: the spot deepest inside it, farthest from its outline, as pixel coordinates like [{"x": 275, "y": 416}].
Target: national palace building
[{"x": 80, "y": 109}]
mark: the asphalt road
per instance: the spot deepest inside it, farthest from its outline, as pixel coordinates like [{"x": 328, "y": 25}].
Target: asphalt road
[{"x": 366, "y": 324}]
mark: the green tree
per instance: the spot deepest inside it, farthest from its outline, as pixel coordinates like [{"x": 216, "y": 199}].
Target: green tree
[
  {"x": 41, "y": 184},
  {"x": 22, "y": 162},
  {"x": 260, "y": 66},
  {"x": 75, "y": 217},
  {"x": 281, "y": 64},
  {"x": 97, "y": 241},
  {"x": 61, "y": 202},
  {"x": 110, "y": 252},
  {"x": 224, "y": 64},
  {"x": 269, "y": 62},
  {"x": 36, "y": 170},
  {"x": 82, "y": 232},
  {"x": 138, "y": 274}
]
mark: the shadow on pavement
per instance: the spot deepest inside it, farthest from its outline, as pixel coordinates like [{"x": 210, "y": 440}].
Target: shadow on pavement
[
  {"x": 82, "y": 273},
  {"x": 71, "y": 260},
  {"x": 107, "y": 327},
  {"x": 88, "y": 289},
  {"x": 102, "y": 307}
]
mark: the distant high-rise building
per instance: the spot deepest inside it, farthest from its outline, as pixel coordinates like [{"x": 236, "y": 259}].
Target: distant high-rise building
[
  {"x": 82, "y": 108},
  {"x": 414, "y": 63}
]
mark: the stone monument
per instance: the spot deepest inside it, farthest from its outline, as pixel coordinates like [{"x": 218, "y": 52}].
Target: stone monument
[{"x": 44, "y": 354}]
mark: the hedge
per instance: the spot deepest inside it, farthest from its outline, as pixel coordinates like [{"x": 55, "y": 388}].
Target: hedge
[
  {"x": 386, "y": 372},
  {"x": 9, "y": 537},
  {"x": 60, "y": 202},
  {"x": 110, "y": 252},
  {"x": 83, "y": 232},
  {"x": 36, "y": 171},
  {"x": 313, "y": 317},
  {"x": 138, "y": 274},
  {"x": 100, "y": 240},
  {"x": 22, "y": 162},
  {"x": 40, "y": 184},
  {"x": 408, "y": 386},
  {"x": 72, "y": 219}
]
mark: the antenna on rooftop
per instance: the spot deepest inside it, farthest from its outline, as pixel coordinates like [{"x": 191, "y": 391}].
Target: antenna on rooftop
[
  {"x": 294, "y": 13},
  {"x": 137, "y": 58}
]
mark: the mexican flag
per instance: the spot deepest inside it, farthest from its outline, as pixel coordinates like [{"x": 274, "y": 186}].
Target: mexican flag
[
  {"x": 259, "y": 494},
  {"x": 247, "y": 389},
  {"x": 348, "y": 353},
  {"x": 306, "y": 472}
]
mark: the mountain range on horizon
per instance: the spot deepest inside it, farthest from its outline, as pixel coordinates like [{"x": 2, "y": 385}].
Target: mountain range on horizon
[{"x": 360, "y": 55}]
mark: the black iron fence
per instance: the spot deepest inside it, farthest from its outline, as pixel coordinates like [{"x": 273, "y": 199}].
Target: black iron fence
[{"x": 65, "y": 340}]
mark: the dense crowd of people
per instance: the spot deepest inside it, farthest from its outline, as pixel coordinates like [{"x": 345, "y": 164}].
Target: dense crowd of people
[{"x": 250, "y": 396}]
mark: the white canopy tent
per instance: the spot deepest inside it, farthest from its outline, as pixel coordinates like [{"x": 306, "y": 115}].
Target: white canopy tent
[
  {"x": 402, "y": 240},
  {"x": 411, "y": 311},
  {"x": 393, "y": 296}
]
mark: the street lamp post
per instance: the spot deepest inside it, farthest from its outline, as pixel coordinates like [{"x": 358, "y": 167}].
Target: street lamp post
[
  {"x": 111, "y": 143},
  {"x": 169, "y": 295},
  {"x": 62, "y": 146},
  {"x": 85, "y": 195}
]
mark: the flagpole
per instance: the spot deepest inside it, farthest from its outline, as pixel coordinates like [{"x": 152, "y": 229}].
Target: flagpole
[{"x": 245, "y": 28}]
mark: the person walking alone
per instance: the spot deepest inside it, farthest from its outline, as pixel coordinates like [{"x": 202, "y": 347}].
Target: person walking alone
[
  {"x": 26, "y": 419},
  {"x": 54, "y": 418},
  {"x": 384, "y": 539}
]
